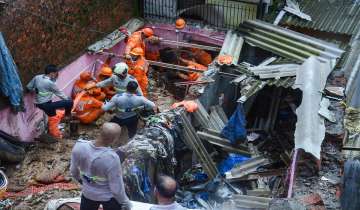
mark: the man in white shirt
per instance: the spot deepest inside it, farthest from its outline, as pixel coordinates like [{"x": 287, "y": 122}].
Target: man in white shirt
[{"x": 165, "y": 189}]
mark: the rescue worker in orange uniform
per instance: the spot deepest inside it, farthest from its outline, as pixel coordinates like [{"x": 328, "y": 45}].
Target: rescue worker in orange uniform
[
  {"x": 191, "y": 76},
  {"x": 201, "y": 56},
  {"x": 180, "y": 24},
  {"x": 138, "y": 67},
  {"x": 80, "y": 84},
  {"x": 88, "y": 109},
  {"x": 105, "y": 73},
  {"x": 137, "y": 40}
]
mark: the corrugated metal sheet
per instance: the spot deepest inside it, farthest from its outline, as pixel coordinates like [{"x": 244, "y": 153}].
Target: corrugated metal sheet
[
  {"x": 288, "y": 43},
  {"x": 232, "y": 45},
  {"x": 330, "y": 16},
  {"x": 252, "y": 85}
]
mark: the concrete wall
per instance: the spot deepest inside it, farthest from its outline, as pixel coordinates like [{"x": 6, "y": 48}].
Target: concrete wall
[{"x": 36, "y": 34}]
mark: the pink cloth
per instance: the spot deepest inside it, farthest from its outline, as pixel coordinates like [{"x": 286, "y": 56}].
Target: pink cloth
[{"x": 23, "y": 125}]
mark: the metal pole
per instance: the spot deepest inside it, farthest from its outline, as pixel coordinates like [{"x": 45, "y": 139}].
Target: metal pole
[{"x": 292, "y": 174}]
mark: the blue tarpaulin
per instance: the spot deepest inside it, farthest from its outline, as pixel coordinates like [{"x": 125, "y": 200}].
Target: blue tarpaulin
[
  {"x": 235, "y": 129},
  {"x": 10, "y": 84}
]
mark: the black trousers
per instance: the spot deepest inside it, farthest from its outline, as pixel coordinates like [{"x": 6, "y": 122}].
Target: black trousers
[
  {"x": 130, "y": 123},
  {"x": 87, "y": 204},
  {"x": 50, "y": 107}
]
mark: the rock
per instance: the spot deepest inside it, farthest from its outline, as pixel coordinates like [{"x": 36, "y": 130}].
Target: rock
[
  {"x": 311, "y": 199},
  {"x": 286, "y": 204},
  {"x": 22, "y": 207},
  {"x": 28, "y": 198}
]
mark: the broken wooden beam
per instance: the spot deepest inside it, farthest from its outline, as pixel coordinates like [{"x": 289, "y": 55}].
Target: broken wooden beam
[
  {"x": 116, "y": 36},
  {"x": 258, "y": 193},
  {"x": 224, "y": 144},
  {"x": 190, "y": 45},
  {"x": 157, "y": 63}
]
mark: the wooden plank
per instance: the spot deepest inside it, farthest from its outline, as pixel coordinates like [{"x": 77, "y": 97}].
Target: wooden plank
[
  {"x": 159, "y": 64},
  {"x": 191, "y": 45}
]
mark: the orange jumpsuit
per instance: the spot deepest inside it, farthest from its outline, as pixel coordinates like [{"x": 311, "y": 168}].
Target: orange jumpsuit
[
  {"x": 201, "y": 56},
  {"x": 79, "y": 86},
  {"x": 135, "y": 40},
  {"x": 139, "y": 70},
  {"x": 153, "y": 55},
  {"x": 106, "y": 92},
  {"x": 88, "y": 109},
  {"x": 191, "y": 64}
]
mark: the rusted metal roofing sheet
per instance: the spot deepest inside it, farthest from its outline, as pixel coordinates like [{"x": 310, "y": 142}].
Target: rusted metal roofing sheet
[{"x": 328, "y": 15}]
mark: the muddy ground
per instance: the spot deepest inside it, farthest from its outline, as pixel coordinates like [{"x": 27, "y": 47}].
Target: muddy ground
[
  {"x": 326, "y": 183},
  {"x": 45, "y": 158}
]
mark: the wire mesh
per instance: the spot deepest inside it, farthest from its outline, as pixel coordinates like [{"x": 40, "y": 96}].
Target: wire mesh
[{"x": 218, "y": 13}]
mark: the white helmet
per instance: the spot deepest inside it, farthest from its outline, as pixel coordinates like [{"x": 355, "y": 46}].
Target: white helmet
[{"x": 121, "y": 68}]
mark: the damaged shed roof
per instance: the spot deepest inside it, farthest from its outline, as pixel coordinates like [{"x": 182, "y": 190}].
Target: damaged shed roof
[
  {"x": 288, "y": 43},
  {"x": 328, "y": 15}
]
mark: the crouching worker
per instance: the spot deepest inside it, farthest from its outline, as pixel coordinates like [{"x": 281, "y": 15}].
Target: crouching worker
[
  {"x": 97, "y": 167},
  {"x": 192, "y": 76},
  {"x": 88, "y": 109},
  {"x": 165, "y": 189},
  {"x": 44, "y": 86},
  {"x": 80, "y": 84},
  {"x": 127, "y": 106}
]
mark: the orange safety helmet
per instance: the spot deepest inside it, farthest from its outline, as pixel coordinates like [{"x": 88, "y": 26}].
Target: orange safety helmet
[
  {"x": 85, "y": 76},
  {"x": 105, "y": 71},
  {"x": 148, "y": 32},
  {"x": 137, "y": 51},
  {"x": 180, "y": 23}
]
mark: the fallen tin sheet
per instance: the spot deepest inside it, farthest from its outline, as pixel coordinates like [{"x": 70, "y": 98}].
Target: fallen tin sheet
[
  {"x": 310, "y": 127},
  {"x": 247, "y": 202},
  {"x": 247, "y": 167}
]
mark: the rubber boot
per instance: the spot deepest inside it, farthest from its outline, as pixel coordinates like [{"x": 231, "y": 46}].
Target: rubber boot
[{"x": 53, "y": 123}]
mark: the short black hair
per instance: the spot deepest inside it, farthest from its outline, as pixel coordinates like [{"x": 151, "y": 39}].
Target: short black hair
[
  {"x": 163, "y": 189},
  {"x": 51, "y": 68},
  {"x": 132, "y": 87}
]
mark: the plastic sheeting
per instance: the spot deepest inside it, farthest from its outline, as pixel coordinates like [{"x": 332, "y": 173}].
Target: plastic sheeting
[
  {"x": 10, "y": 84},
  {"x": 235, "y": 129}
]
